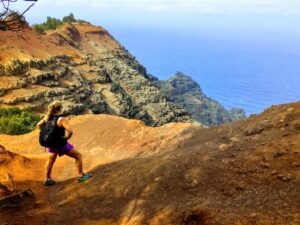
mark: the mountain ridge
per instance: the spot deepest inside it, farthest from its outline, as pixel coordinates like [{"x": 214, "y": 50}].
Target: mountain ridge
[{"x": 84, "y": 66}]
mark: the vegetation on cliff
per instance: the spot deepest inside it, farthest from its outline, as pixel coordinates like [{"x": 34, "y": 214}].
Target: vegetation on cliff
[
  {"x": 53, "y": 23},
  {"x": 15, "y": 121}
]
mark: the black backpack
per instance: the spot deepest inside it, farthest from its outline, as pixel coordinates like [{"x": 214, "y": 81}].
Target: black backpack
[{"x": 50, "y": 135}]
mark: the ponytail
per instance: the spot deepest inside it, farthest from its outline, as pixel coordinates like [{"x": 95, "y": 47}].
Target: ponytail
[{"x": 53, "y": 108}]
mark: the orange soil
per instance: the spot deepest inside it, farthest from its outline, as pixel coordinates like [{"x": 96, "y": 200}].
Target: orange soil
[
  {"x": 28, "y": 44},
  {"x": 247, "y": 172}
]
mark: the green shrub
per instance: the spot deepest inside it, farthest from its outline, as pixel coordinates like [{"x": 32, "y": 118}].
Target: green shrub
[
  {"x": 50, "y": 24},
  {"x": 53, "y": 23},
  {"x": 68, "y": 19},
  {"x": 40, "y": 28},
  {"x": 15, "y": 121}
]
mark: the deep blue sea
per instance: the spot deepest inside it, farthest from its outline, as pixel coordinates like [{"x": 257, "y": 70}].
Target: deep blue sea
[{"x": 238, "y": 70}]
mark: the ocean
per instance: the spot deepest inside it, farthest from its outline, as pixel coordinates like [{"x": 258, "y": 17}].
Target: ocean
[{"x": 238, "y": 70}]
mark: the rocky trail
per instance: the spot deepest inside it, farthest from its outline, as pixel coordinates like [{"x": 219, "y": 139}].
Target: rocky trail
[{"x": 246, "y": 172}]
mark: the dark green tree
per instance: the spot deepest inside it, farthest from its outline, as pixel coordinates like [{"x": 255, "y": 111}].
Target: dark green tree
[
  {"x": 15, "y": 121},
  {"x": 69, "y": 19},
  {"x": 11, "y": 19},
  {"x": 53, "y": 23}
]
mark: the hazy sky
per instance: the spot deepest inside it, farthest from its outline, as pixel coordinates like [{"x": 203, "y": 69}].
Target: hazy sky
[
  {"x": 166, "y": 8},
  {"x": 265, "y": 7},
  {"x": 274, "y": 15}
]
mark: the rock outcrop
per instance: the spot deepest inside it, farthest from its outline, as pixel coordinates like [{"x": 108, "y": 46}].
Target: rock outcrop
[
  {"x": 85, "y": 67},
  {"x": 182, "y": 90}
]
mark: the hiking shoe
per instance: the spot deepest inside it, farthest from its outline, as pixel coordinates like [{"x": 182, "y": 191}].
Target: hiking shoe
[
  {"x": 49, "y": 182},
  {"x": 85, "y": 177}
]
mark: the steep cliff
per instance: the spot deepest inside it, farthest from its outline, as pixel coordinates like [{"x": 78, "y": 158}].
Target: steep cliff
[
  {"x": 182, "y": 90},
  {"x": 85, "y": 67}
]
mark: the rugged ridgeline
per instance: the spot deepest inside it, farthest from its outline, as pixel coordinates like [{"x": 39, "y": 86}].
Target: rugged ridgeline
[
  {"x": 91, "y": 72},
  {"x": 86, "y": 68},
  {"x": 185, "y": 92},
  {"x": 241, "y": 173}
]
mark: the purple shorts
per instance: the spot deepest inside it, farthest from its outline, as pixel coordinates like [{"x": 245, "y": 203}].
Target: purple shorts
[{"x": 61, "y": 150}]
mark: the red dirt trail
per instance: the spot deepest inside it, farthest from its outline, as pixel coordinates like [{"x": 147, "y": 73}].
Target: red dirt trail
[{"x": 247, "y": 172}]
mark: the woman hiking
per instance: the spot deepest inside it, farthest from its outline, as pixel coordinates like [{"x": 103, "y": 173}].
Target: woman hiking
[{"x": 61, "y": 130}]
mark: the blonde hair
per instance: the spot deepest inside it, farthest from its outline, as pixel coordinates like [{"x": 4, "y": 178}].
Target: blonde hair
[{"x": 53, "y": 108}]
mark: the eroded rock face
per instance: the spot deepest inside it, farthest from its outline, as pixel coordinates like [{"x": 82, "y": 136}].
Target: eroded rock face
[{"x": 96, "y": 75}]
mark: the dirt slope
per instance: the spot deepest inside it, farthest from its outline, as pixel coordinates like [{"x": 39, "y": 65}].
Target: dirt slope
[
  {"x": 247, "y": 172},
  {"x": 28, "y": 44}
]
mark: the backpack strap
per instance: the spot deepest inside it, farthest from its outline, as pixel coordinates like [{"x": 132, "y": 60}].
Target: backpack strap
[{"x": 55, "y": 118}]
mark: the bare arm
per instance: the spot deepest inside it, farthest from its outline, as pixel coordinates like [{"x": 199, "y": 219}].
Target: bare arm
[{"x": 64, "y": 123}]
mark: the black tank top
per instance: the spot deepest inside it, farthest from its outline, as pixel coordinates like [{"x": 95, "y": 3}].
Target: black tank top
[{"x": 60, "y": 131}]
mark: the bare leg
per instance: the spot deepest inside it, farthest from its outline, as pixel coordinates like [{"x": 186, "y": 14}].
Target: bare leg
[
  {"x": 78, "y": 157},
  {"x": 49, "y": 164}
]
